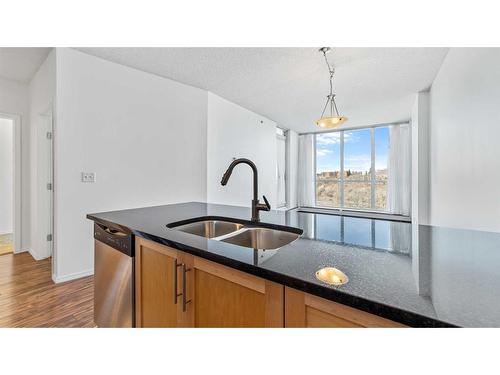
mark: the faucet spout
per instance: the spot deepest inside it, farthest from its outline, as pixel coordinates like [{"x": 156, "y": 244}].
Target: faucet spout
[{"x": 256, "y": 206}]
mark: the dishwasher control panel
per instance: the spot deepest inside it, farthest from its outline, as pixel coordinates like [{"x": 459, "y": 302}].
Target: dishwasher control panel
[{"x": 118, "y": 240}]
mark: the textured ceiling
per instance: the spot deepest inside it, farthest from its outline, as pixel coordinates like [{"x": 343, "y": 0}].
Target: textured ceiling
[
  {"x": 289, "y": 85},
  {"x": 21, "y": 64}
]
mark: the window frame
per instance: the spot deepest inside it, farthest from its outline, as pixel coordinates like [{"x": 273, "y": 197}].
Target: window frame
[{"x": 341, "y": 180}]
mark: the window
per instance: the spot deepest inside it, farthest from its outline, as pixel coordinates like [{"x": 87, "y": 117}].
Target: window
[
  {"x": 381, "y": 152},
  {"x": 328, "y": 169},
  {"x": 357, "y": 169},
  {"x": 352, "y": 168}
]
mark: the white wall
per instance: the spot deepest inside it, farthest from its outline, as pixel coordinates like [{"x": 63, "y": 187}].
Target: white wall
[
  {"x": 14, "y": 100},
  {"x": 42, "y": 91},
  {"x": 292, "y": 168},
  {"x": 420, "y": 186},
  {"x": 6, "y": 175},
  {"x": 235, "y": 132},
  {"x": 144, "y": 136},
  {"x": 465, "y": 134},
  {"x": 149, "y": 140},
  {"x": 420, "y": 158}
]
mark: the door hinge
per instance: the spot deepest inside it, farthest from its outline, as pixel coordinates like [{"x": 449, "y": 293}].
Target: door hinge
[
  {"x": 49, "y": 186},
  {"x": 49, "y": 135},
  {"x": 49, "y": 237}
]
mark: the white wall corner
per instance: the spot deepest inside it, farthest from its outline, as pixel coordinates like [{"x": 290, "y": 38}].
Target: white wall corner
[
  {"x": 420, "y": 196},
  {"x": 233, "y": 132},
  {"x": 151, "y": 152},
  {"x": 420, "y": 139}
]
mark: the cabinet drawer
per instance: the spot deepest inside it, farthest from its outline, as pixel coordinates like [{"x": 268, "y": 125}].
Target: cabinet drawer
[{"x": 305, "y": 310}]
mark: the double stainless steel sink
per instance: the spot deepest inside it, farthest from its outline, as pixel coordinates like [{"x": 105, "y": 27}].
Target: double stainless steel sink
[{"x": 247, "y": 235}]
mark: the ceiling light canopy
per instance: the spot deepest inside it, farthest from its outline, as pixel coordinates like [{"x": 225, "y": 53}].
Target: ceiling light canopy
[{"x": 334, "y": 119}]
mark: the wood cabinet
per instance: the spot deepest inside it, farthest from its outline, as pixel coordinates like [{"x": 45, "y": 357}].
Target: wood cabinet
[
  {"x": 176, "y": 289},
  {"x": 206, "y": 294},
  {"x": 306, "y": 310},
  {"x": 224, "y": 297},
  {"x": 154, "y": 284}
]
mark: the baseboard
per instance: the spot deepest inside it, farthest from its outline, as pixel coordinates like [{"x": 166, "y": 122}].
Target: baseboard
[
  {"x": 26, "y": 249},
  {"x": 35, "y": 255},
  {"x": 71, "y": 276}
]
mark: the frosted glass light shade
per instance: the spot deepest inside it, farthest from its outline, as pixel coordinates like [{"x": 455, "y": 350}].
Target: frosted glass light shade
[{"x": 331, "y": 122}]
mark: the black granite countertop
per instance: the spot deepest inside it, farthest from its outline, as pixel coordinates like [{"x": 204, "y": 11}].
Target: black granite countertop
[{"x": 449, "y": 277}]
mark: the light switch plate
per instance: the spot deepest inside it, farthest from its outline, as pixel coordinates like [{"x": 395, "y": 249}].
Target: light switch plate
[{"x": 88, "y": 177}]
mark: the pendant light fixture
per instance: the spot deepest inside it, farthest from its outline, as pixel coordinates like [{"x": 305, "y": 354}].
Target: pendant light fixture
[{"x": 334, "y": 119}]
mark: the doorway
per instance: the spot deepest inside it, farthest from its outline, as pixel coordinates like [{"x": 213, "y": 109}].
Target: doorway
[{"x": 10, "y": 189}]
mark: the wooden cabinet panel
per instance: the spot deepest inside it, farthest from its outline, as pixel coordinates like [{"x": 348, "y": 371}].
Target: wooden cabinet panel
[
  {"x": 213, "y": 295},
  {"x": 320, "y": 319},
  {"x": 154, "y": 268},
  {"x": 224, "y": 297},
  {"x": 222, "y": 303},
  {"x": 305, "y": 310}
]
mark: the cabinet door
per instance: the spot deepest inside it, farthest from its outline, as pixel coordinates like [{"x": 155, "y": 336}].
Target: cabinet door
[
  {"x": 223, "y": 297},
  {"x": 306, "y": 310},
  {"x": 155, "y": 270}
]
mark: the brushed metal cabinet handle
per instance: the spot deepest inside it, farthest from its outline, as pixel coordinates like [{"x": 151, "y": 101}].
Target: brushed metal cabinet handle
[
  {"x": 176, "y": 295},
  {"x": 184, "y": 298}
]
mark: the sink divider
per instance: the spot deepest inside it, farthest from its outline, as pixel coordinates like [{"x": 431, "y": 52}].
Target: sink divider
[{"x": 230, "y": 234}]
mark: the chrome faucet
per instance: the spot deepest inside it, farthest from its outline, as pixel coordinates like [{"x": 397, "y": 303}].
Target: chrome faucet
[{"x": 256, "y": 206}]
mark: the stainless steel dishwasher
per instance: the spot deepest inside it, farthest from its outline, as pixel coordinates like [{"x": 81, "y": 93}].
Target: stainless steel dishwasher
[{"x": 113, "y": 277}]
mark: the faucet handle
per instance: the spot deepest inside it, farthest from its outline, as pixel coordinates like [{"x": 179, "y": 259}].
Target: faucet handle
[{"x": 267, "y": 203}]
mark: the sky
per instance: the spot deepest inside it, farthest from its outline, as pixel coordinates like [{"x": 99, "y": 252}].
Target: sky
[{"x": 357, "y": 150}]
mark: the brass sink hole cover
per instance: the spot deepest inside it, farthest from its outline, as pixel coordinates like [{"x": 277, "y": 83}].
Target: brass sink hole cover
[{"x": 332, "y": 276}]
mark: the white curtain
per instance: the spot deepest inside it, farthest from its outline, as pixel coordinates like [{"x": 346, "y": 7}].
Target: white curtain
[
  {"x": 399, "y": 170},
  {"x": 400, "y": 235},
  {"x": 306, "y": 222},
  {"x": 306, "y": 171}
]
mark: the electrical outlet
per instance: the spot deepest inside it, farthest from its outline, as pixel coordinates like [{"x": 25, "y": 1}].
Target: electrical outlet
[{"x": 88, "y": 177}]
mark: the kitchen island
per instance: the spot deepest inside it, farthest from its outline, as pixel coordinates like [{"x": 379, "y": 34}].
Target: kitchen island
[{"x": 448, "y": 278}]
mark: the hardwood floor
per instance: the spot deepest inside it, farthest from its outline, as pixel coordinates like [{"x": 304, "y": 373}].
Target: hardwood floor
[{"x": 29, "y": 297}]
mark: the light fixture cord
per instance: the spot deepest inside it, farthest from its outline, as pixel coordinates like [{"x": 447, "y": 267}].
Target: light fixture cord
[
  {"x": 330, "y": 98},
  {"x": 326, "y": 105}
]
